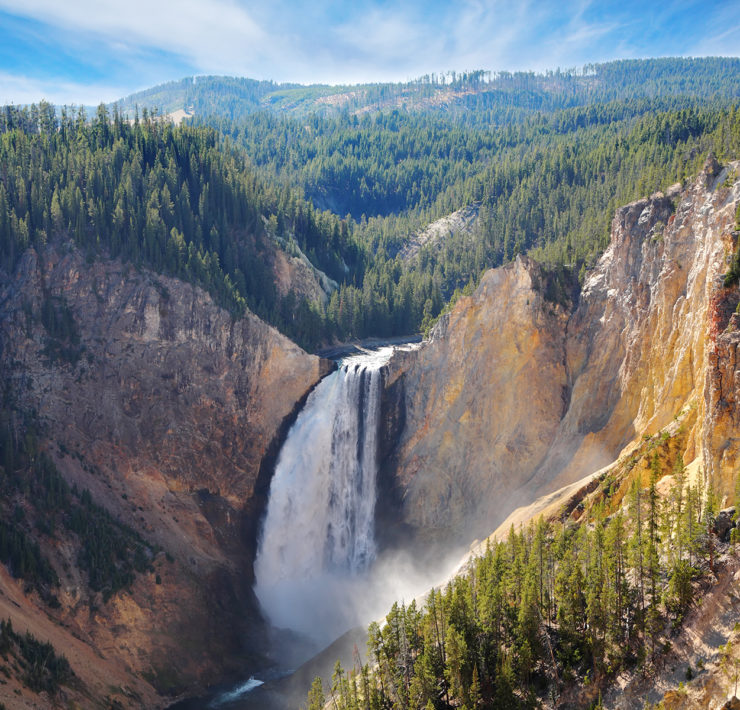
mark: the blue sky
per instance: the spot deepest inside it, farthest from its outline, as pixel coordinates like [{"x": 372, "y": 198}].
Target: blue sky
[{"x": 87, "y": 51}]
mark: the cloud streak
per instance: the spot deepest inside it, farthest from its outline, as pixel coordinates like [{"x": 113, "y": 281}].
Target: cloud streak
[
  {"x": 20, "y": 89},
  {"x": 190, "y": 28},
  {"x": 331, "y": 41}
]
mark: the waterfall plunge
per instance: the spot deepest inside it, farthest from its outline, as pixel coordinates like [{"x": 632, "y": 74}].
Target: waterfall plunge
[{"x": 317, "y": 540}]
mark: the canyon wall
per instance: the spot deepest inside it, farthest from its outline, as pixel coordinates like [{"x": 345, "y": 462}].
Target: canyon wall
[
  {"x": 524, "y": 388},
  {"x": 170, "y": 413},
  {"x": 493, "y": 364},
  {"x": 168, "y": 410}
]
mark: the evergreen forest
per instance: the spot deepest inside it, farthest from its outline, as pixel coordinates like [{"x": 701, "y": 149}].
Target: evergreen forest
[
  {"x": 556, "y": 607},
  {"x": 211, "y": 200}
]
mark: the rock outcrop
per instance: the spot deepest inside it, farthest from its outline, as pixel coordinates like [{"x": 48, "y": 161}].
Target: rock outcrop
[
  {"x": 493, "y": 364},
  {"x": 462, "y": 221},
  {"x": 521, "y": 391},
  {"x": 167, "y": 410}
]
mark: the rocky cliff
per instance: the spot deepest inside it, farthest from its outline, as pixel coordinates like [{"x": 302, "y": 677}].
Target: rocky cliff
[
  {"x": 468, "y": 404},
  {"x": 524, "y": 388},
  {"x": 167, "y": 410}
]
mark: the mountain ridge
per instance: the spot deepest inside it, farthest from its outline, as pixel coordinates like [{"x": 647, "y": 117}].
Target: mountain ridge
[{"x": 233, "y": 97}]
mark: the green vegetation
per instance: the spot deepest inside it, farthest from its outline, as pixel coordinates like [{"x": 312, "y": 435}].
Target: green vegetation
[
  {"x": 63, "y": 339},
  {"x": 545, "y": 159},
  {"x": 733, "y": 274},
  {"x": 22, "y": 556},
  {"x": 175, "y": 200},
  {"x": 547, "y": 185},
  {"x": 432, "y": 164},
  {"x": 555, "y": 602},
  {"x": 35, "y": 500},
  {"x": 549, "y": 193},
  {"x": 510, "y": 95},
  {"x": 111, "y": 553},
  {"x": 42, "y": 670},
  {"x": 228, "y": 96},
  {"x": 730, "y": 664}
]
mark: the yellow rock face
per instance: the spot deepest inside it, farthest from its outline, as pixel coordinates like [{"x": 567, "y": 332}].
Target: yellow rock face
[
  {"x": 536, "y": 396},
  {"x": 494, "y": 366}
]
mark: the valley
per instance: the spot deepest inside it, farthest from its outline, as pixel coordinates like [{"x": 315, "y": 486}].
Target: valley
[{"x": 194, "y": 503}]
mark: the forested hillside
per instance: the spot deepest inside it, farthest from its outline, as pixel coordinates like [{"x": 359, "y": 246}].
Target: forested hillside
[
  {"x": 210, "y": 202},
  {"x": 547, "y": 185},
  {"x": 545, "y": 160},
  {"x": 552, "y": 612},
  {"x": 176, "y": 200},
  {"x": 509, "y": 95}
]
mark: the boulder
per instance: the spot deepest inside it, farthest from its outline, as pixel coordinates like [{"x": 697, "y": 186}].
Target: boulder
[{"x": 723, "y": 524}]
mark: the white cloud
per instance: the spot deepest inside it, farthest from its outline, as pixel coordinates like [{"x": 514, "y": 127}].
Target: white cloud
[
  {"x": 334, "y": 41},
  {"x": 474, "y": 34},
  {"x": 26, "y": 90},
  {"x": 290, "y": 42},
  {"x": 210, "y": 34}
]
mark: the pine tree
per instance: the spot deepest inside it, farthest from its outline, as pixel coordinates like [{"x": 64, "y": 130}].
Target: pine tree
[
  {"x": 616, "y": 586},
  {"x": 595, "y": 583},
  {"x": 316, "y": 700},
  {"x": 652, "y": 552},
  {"x": 637, "y": 547}
]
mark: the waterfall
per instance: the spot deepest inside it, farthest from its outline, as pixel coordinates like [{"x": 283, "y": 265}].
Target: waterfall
[{"x": 318, "y": 537}]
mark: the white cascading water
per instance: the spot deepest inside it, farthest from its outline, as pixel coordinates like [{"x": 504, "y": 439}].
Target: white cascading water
[{"x": 318, "y": 537}]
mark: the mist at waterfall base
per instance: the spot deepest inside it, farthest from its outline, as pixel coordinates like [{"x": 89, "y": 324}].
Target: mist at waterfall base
[{"x": 317, "y": 571}]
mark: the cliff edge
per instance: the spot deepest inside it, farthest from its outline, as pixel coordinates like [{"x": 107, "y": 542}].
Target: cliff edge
[
  {"x": 167, "y": 410},
  {"x": 526, "y": 387}
]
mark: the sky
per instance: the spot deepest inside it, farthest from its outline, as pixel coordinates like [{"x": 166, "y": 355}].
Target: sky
[{"x": 88, "y": 51}]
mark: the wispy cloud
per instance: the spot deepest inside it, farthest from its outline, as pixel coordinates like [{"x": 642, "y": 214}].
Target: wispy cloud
[
  {"x": 21, "y": 89},
  {"x": 722, "y": 33},
  {"x": 64, "y": 46},
  {"x": 213, "y": 32}
]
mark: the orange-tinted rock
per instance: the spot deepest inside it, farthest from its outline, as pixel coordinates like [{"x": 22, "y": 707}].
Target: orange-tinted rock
[
  {"x": 514, "y": 396},
  {"x": 494, "y": 366},
  {"x": 166, "y": 411}
]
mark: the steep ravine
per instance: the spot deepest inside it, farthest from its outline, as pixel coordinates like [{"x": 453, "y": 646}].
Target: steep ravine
[
  {"x": 524, "y": 388},
  {"x": 170, "y": 412},
  {"x": 165, "y": 408}
]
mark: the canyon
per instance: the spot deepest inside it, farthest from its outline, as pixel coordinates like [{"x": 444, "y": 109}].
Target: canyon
[
  {"x": 171, "y": 413},
  {"x": 528, "y": 384}
]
